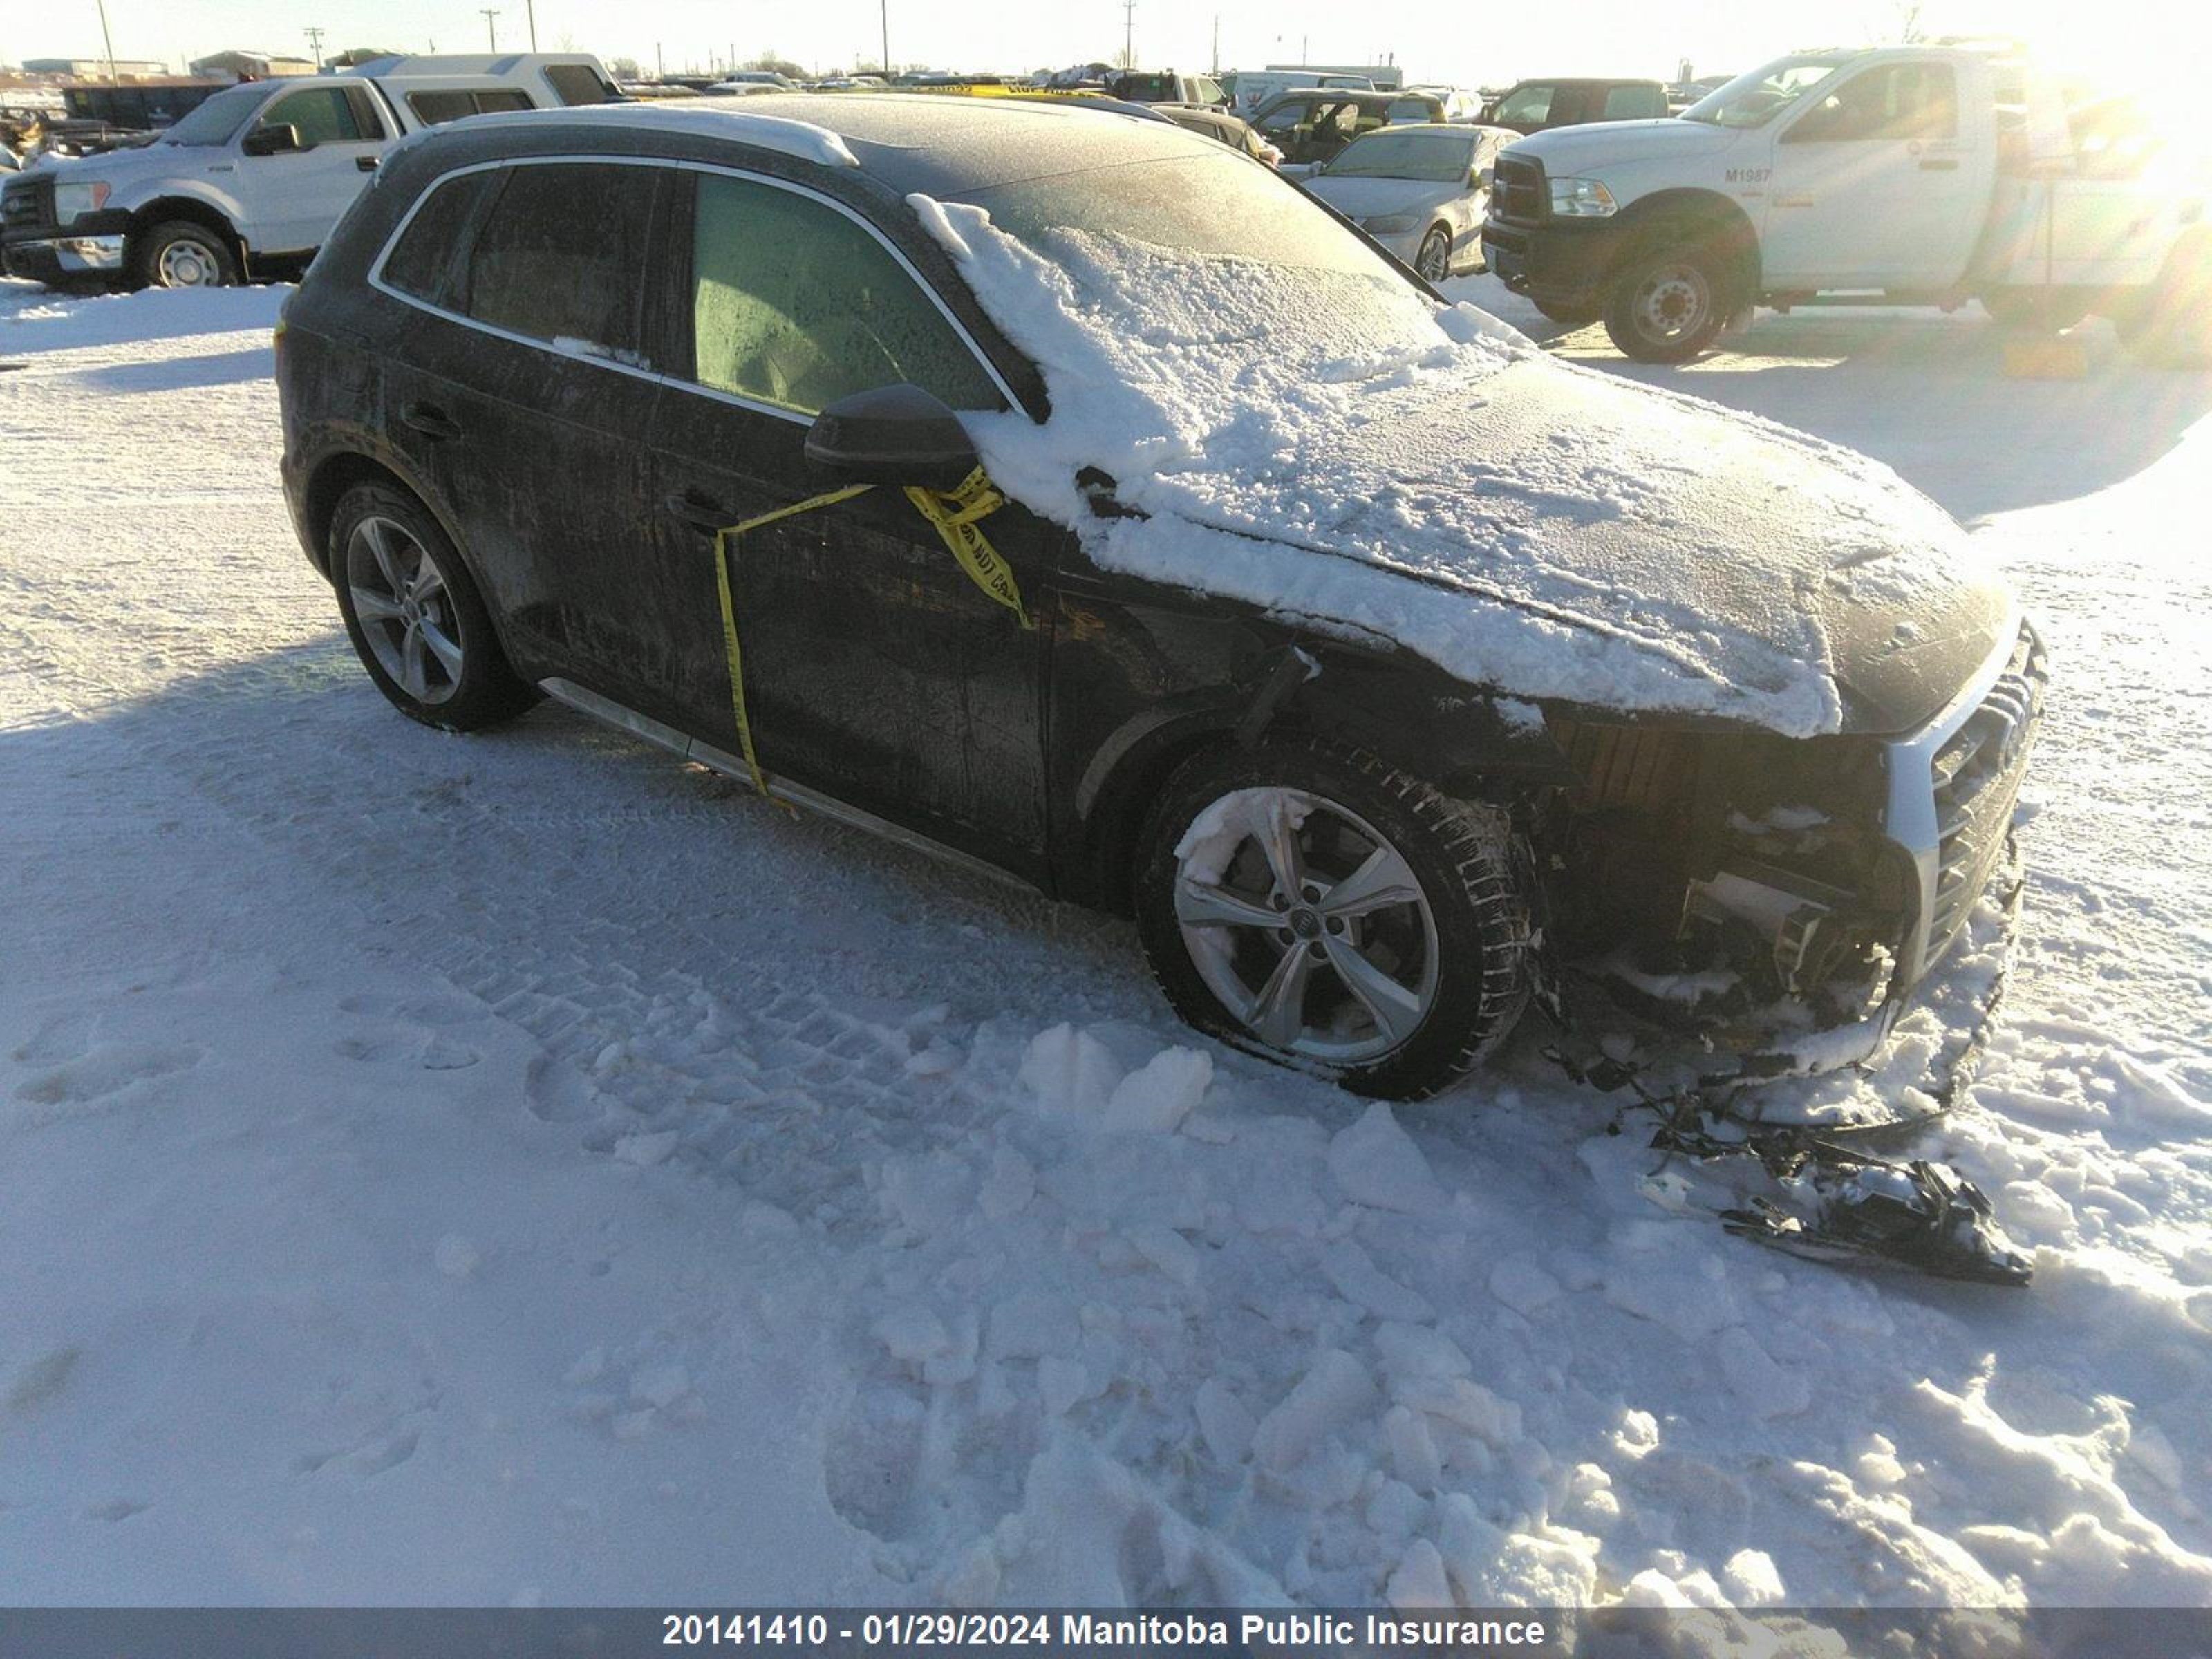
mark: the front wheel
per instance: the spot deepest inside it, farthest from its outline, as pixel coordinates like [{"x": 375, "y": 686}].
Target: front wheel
[
  {"x": 182, "y": 253},
  {"x": 1666, "y": 306},
  {"x": 1433, "y": 262},
  {"x": 1308, "y": 901}
]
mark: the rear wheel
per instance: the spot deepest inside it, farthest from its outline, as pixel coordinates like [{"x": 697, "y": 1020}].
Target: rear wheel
[
  {"x": 1433, "y": 262},
  {"x": 2173, "y": 328},
  {"x": 416, "y": 619},
  {"x": 184, "y": 253},
  {"x": 1309, "y": 902},
  {"x": 1666, "y": 306}
]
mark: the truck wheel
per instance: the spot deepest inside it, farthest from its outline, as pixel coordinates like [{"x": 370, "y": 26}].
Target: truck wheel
[
  {"x": 416, "y": 619},
  {"x": 2172, "y": 327},
  {"x": 1309, "y": 902},
  {"x": 2030, "y": 307},
  {"x": 180, "y": 253},
  {"x": 1666, "y": 306},
  {"x": 1433, "y": 263},
  {"x": 1570, "y": 316}
]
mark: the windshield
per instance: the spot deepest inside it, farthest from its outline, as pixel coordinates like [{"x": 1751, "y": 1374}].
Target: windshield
[
  {"x": 1753, "y": 99},
  {"x": 1433, "y": 158},
  {"x": 217, "y": 120},
  {"x": 1211, "y": 206}
]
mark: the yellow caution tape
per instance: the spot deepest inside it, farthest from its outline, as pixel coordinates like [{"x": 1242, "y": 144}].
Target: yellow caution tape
[{"x": 955, "y": 512}]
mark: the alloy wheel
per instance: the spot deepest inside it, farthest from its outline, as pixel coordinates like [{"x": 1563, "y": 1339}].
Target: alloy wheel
[
  {"x": 1310, "y": 929},
  {"x": 405, "y": 611}
]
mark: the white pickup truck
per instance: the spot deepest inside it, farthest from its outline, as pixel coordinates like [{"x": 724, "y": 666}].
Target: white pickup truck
[
  {"x": 251, "y": 182},
  {"x": 1888, "y": 175}
]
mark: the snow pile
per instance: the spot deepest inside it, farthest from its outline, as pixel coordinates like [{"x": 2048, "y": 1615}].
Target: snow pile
[{"x": 1333, "y": 446}]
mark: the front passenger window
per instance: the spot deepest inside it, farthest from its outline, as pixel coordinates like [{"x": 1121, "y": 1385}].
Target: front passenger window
[
  {"x": 323, "y": 115},
  {"x": 794, "y": 304}
]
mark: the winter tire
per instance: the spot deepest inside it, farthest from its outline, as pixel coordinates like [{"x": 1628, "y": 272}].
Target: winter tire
[
  {"x": 182, "y": 253},
  {"x": 1309, "y": 902},
  {"x": 1433, "y": 263},
  {"x": 415, "y": 617},
  {"x": 1667, "y": 305},
  {"x": 2173, "y": 328}
]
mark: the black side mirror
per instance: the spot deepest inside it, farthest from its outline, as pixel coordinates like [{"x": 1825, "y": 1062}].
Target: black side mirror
[
  {"x": 891, "y": 434},
  {"x": 273, "y": 141}
]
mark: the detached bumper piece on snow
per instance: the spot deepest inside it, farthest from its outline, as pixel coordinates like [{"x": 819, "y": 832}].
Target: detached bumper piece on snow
[{"x": 1921, "y": 1215}]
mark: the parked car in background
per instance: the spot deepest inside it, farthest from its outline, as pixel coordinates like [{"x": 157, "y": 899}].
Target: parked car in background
[
  {"x": 1371, "y": 763},
  {"x": 1166, "y": 86},
  {"x": 1421, "y": 191},
  {"x": 1460, "y": 106},
  {"x": 249, "y": 183},
  {"x": 739, "y": 88},
  {"x": 1313, "y": 123},
  {"x": 1255, "y": 87},
  {"x": 1232, "y": 131},
  {"x": 1922, "y": 175},
  {"x": 1539, "y": 106}
]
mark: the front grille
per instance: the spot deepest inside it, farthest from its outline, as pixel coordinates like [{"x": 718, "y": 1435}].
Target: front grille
[
  {"x": 1516, "y": 190},
  {"x": 1976, "y": 778},
  {"x": 26, "y": 205}
]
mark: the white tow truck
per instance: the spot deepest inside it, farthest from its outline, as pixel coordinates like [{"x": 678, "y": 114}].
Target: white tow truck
[
  {"x": 250, "y": 183},
  {"x": 1924, "y": 174}
]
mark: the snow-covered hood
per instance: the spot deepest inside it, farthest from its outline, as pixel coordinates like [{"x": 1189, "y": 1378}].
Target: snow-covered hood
[
  {"x": 1335, "y": 446},
  {"x": 1577, "y": 152},
  {"x": 1366, "y": 198}
]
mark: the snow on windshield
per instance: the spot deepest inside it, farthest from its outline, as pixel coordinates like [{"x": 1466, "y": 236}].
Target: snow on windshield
[
  {"x": 1335, "y": 446},
  {"x": 1753, "y": 99}
]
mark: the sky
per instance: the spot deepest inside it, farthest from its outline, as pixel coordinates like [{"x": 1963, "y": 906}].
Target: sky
[{"x": 1456, "y": 42}]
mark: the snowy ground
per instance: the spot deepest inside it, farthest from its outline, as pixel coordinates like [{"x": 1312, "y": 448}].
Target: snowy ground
[{"x": 460, "y": 1170}]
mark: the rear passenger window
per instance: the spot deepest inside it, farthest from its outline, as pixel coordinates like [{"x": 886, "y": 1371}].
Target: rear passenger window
[
  {"x": 1634, "y": 103},
  {"x": 426, "y": 262},
  {"x": 794, "y": 304},
  {"x": 436, "y": 108},
  {"x": 561, "y": 258}
]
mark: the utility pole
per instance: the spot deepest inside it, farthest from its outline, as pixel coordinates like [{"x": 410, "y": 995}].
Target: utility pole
[
  {"x": 1128, "y": 34},
  {"x": 315, "y": 45},
  {"x": 1217, "y": 42},
  {"x": 884, "y": 8},
  {"x": 491, "y": 29},
  {"x": 530, "y": 9},
  {"x": 660, "y": 68},
  {"x": 106, "y": 39}
]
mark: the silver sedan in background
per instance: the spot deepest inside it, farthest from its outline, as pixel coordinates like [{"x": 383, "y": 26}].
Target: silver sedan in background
[{"x": 1421, "y": 191}]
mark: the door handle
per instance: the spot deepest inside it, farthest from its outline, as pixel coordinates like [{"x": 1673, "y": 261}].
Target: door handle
[
  {"x": 1949, "y": 164},
  {"x": 430, "y": 420},
  {"x": 366, "y": 163},
  {"x": 702, "y": 514}
]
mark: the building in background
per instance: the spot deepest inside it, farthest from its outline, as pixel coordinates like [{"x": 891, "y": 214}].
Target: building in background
[{"x": 254, "y": 65}]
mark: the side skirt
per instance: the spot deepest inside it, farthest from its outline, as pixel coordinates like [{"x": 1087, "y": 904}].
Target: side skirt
[{"x": 588, "y": 702}]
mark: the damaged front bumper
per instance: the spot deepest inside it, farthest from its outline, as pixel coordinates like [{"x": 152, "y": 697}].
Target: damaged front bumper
[{"x": 1804, "y": 935}]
